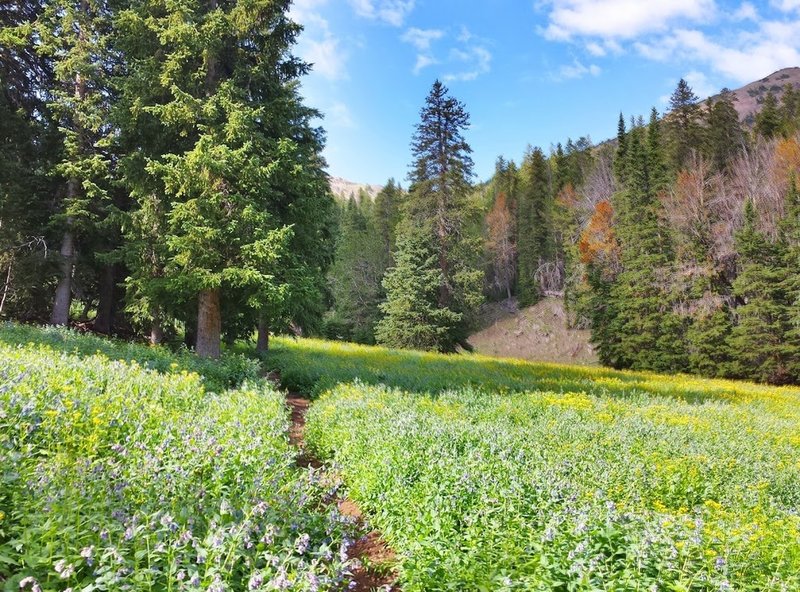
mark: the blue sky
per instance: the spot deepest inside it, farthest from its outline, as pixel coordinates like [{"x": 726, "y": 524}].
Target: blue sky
[{"x": 529, "y": 71}]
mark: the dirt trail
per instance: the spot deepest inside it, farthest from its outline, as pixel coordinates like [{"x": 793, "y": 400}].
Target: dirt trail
[{"x": 371, "y": 550}]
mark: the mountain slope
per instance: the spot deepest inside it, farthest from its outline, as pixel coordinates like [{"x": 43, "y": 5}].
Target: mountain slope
[
  {"x": 538, "y": 333},
  {"x": 750, "y": 97},
  {"x": 344, "y": 189}
]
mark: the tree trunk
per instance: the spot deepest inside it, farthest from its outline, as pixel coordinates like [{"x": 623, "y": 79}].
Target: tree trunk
[
  {"x": 156, "y": 332},
  {"x": 7, "y": 286},
  {"x": 209, "y": 324},
  {"x": 63, "y": 298},
  {"x": 262, "y": 344},
  {"x": 104, "y": 321}
]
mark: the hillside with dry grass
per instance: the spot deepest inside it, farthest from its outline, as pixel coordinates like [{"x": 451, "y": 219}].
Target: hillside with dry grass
[{"x": 537, "y": 333}]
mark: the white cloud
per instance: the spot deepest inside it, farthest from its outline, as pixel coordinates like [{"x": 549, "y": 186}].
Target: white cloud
[
  {"x": 422, "y": 38},
  {"x": 786, "y": 5},
  {"x": 745, "y": 12},
  {"x": 749, "y": 57},
  {"x": 392, "y": 12},
  {"x": 339, "y": 115},
  {"x": 577, "y": 70},
  {"x": 476, "y": 60},
  {"x": 317, "y": 44},
  {"x": 423, "y": 61},
  {"x": 467, "y": 59},
  {"x": 621, "y": 19},
  {"x": 327, "y": 56},
  {"x": 702, "y": 86},
  {"x": 595, "y": 49},
  {"x": 739, "y": 45}
]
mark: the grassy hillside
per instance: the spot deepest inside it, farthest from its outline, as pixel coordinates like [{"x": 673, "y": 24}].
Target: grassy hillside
[
  {"x": 114, "y": 476},
  {"x": 538, "y": 333},
  {"x": 312, "y": 366},
  {"x": 488, "y": 474}
]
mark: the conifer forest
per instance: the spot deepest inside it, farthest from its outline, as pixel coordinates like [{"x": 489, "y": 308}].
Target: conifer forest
[
  {"x": 162, "y": 178},
  {"x": 217, "y": 374}
]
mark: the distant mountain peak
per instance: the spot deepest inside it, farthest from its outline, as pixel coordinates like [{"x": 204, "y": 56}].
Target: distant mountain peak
[
  {"x": 750, "y": 97},
  {"x": 344, "y": 189}
]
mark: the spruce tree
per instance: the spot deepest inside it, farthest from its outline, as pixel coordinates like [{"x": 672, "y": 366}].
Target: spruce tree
[
  {"x": 73, "y": 34},
  {"x": 790, "y": 241},
  {"x": 648, "y": 333},
  {"x": 621, "y": 157},
  {"x": 534, "y": 226},
  {"x": 768, "y": 121},
  {"x": 28, "y": 150},
  {"x": 708, "y": 340},
  {"x": 386, "y": 214},
  {"x": 413, "y": 317},
  {"x": 725, "y": 136},
  {"x": 764, "y": 320},
  {"x": 241, "y": 195},
  {"x": 441, "y": 176},
  {"x": 359, "y": 266},
  {"x": 684, "y": 129}
]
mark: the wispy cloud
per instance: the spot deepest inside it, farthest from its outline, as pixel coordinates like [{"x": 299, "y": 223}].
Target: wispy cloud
[
  {"x": 740, "y": 44},
  {"x": 744, "y": 59},
  {"x": 422, "y": 38},
  {"x": 463, "y": 56},
  {"x": 391, "y": 12},
  {"x": 339, "y": 115},
  {"x": 577, "y": 69},
  {"x": 622, "y": 19},
  {"x": 318, "y": 45},
  {"x": 475, "y": 61}
]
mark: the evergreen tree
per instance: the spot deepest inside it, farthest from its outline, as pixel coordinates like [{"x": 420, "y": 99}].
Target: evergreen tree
[
  {"x": 646, "y": 333},
  {"x": 440, "y": 183},
  {"x": 356, "y": 275},
  {"x": 708, "y": 343},
  {"x": 685, "y": 131},
  {"x": 790, "y": 108},
  {"x": 768, "y": 121},
  {"x": 28, "y": 149},
  {"x": 621, "y": 158},
  {"x": 534, "y": 226},
  {"x": 413, "y": 317},
  {"x": 764, "y": 320},
  {"x": 242, "y": 192},
  {"x": 73, "y": 34},
  {"x": 790, "y": 237},
  {"x": 725, "y": 136},
  {"x": 386, "y": 214}
]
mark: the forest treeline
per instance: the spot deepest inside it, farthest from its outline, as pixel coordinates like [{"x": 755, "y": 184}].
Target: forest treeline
[
  {"x": 677, "y": 243},
  {"x": 160, "y": 176},
  {"x": 159, "y": 171}
]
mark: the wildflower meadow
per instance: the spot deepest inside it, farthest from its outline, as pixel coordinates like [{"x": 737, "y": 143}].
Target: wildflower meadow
[
  {"x": 503, "y": 475},
  {"x": 114, "y": 476}
]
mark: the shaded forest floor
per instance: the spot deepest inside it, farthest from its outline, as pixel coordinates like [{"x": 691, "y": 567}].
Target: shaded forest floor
[{"x": 538, "y": 333}]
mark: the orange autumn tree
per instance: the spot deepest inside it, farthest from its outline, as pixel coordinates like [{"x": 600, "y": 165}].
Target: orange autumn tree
[{"x": 598, "y": 245}]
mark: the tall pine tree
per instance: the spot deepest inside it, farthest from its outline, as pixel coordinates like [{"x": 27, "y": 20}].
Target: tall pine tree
[
  {"x": 441, "y": 177},
  {"x": 73, "y": 34}
]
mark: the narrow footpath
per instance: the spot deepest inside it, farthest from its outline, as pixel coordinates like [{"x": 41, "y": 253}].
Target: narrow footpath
[{"x": 373, "y": 554}]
